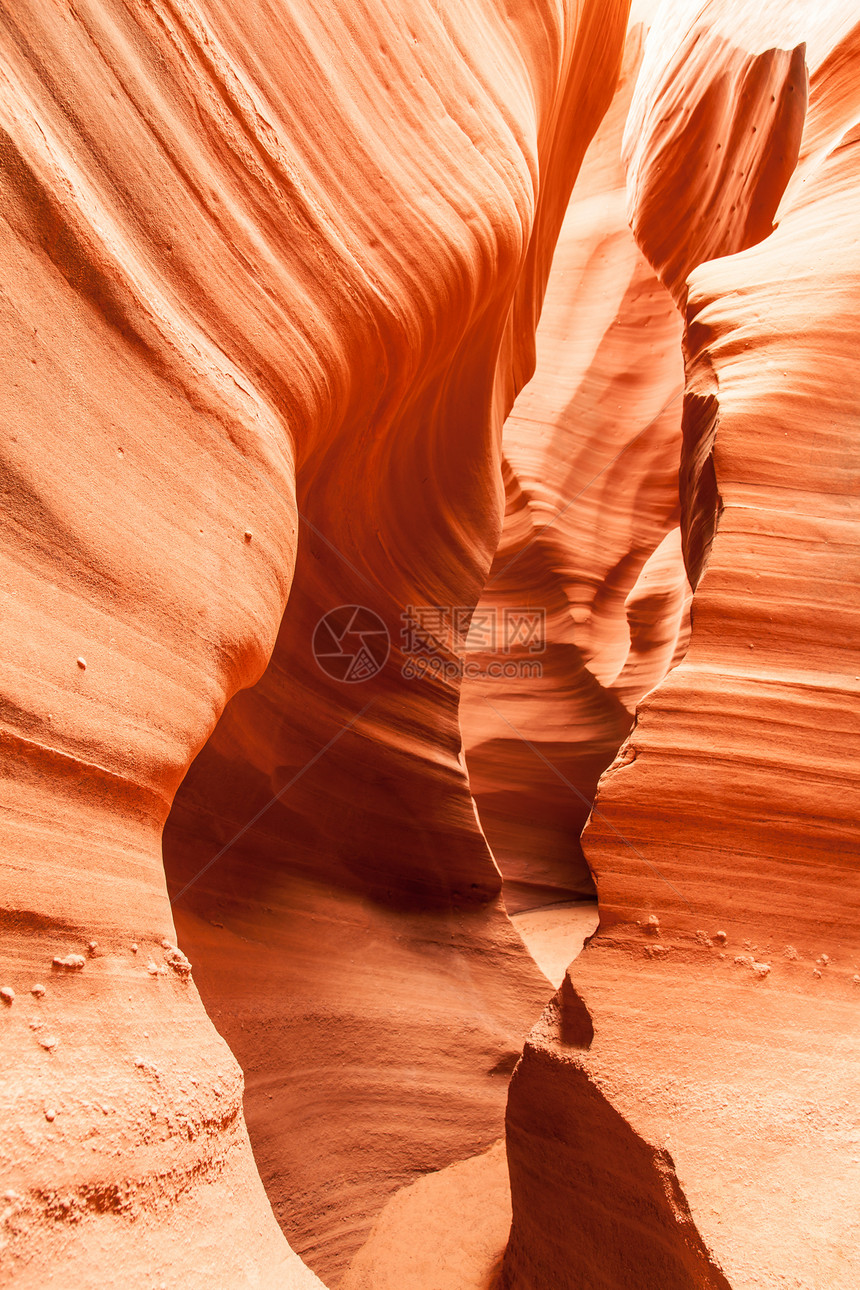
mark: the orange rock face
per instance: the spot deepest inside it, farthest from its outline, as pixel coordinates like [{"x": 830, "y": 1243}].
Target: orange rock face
[
  {"x": 272, "y": 280},
  {"x": 273, "y": 275},
  {"x": 591, "y": 458},
  {"x": 721, "y": 988}
]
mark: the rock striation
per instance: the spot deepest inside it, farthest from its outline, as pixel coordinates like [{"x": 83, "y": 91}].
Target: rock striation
[
  {"x": 590, "y": 541},
  {"x": 714, "y": 1039},
  {"x": 290, "y": 864},
  {"x": 272, "y": 278}
]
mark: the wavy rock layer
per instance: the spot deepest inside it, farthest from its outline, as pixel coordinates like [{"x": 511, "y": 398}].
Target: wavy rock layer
[
  {"x": 382, "y": 996},
  {"x": 591, "y": 464},
  {"x": 713, "y": 1018},
  {"x": 263, "y": 261}
]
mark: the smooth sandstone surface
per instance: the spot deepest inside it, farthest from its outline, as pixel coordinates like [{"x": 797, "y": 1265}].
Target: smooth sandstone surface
[
  {"x": 591, "y": 457},
  {"x": 449, "y": 1230},
  {"x": 365, "y": 973},
  {"x": 700, "y": 1064},
  {"x": 272, "y": 278},
  {"x": 555, "y": 934},
  {"x": 273, "y": 275}
]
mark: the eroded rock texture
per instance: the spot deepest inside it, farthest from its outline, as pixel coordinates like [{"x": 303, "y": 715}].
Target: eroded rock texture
[
  {"x": 590, "y": 540},
  {"x": 712, "y": 1021},
  {"x": 273, "y": 274}
]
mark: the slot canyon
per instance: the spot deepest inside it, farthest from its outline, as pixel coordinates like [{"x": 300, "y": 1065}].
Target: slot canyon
[{"x": 430, "y": 599}]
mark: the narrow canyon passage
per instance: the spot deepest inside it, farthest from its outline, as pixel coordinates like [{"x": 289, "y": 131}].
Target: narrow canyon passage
[
  {"x": 377, "y": 1007},
  {"x": 430, "y": 605}
]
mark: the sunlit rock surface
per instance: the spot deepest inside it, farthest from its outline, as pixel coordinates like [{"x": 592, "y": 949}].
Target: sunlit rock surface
[
  {"x": 585, "y": 613},
  {"x": 709, "y": 1069},
  {"x": 273, "y": 275}
]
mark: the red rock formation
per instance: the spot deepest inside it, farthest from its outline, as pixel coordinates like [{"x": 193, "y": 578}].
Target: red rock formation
[
  {"x": 272, "y": 278},
  {"x": 367, "y": 892},
  {"x": 447, "y": 1229},
  {"x": 591, "y": 470},
  {"x": 246, "y": 243},
  {"x": 694, "y": 1126}
]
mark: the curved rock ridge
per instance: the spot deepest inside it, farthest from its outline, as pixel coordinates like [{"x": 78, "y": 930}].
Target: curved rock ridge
[
  {"x": 261, "y": 261},
  {"x": 580, "y": 615},
  {"x": 721, "y": 991},
  {"x": 449, "y": 1229},
  {"x": 365, "y": 897},
  {"x": 595, "y": 1203},
  {"x": 743, "y": 128}
]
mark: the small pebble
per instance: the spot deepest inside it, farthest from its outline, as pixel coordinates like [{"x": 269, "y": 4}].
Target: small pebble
[
  {"x": 153, "y": 1110},
  {"x": 7, "y": 994},
  {"x": 134, "y": 947},
  {"x": 38, "y": 990},
  {"x": 82, "y": 664},
  {"x": 50, "y": 1114},
  {"x": 657, "y": 951},
  {"x": 248, "y": 535},
  {"x": 721, "y": 937},
  {"x": 174, "y": 957},
  {"x": 49, "y": 1042},
  {"x": 92, "y": 946},
  {"x": 74, "y": 962}
]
